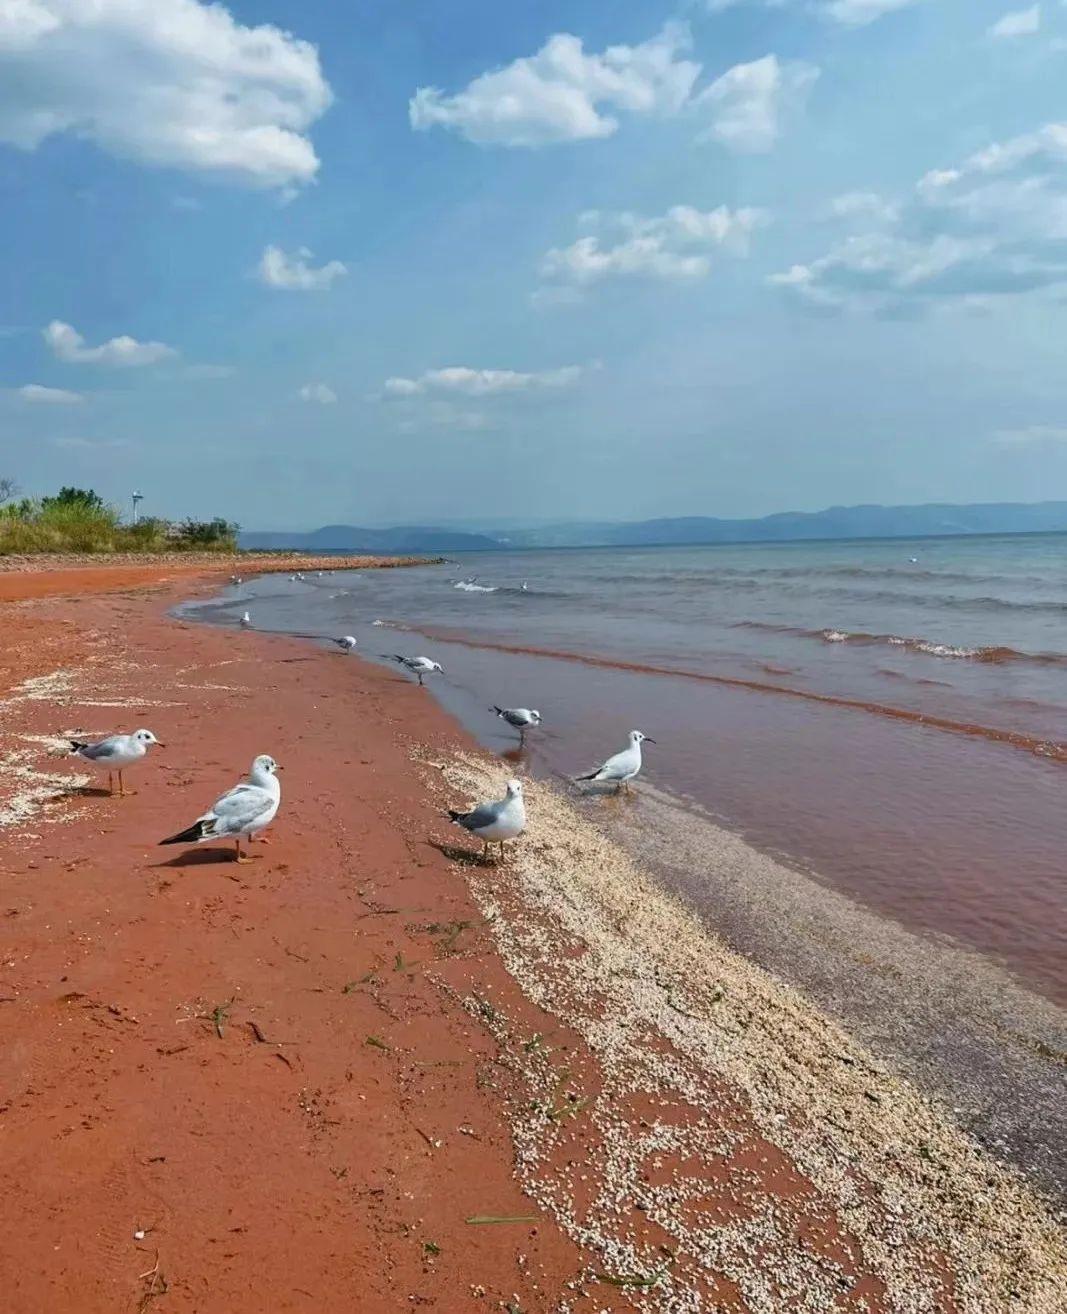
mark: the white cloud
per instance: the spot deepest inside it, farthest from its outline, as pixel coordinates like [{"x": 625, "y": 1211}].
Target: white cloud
[
  {"x": 1016, "y": 23},
  {"x": 294, "y": 274},
  {"x": 562, "y": 93},
  {"x": 850, "y": 13},
  {"x": 481, "y": 383},
  {"x": 69, "y": 346},
  {"x": 748, "y": 103},
  {"x": 36, "y": 392},
  {"x": 1032, "y": 434},
  {"x": 995, "y": 225},
  {"x": 321, "y": 393},
  {"x": 672, "y": 246},
  {"x": 173, "y": 83}
]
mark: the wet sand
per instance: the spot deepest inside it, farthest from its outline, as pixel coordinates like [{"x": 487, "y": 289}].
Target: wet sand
[{"x": 300, "y": 1078}]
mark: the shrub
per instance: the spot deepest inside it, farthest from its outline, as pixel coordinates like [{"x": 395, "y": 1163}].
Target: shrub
[{"x": 78, "y": 520}]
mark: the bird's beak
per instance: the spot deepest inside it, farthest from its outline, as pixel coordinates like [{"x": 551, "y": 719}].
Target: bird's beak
[{"x": 648, "y": 740}]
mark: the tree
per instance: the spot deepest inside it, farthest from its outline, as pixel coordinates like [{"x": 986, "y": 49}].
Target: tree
[
  {"x": 8, "y": 489},
  {"x": 82, "y": 499}
]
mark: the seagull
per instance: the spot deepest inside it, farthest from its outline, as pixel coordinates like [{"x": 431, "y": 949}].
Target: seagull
[
  {"x": 621, "y": 769},
  {"x": 235, "y": 579},
  {"x": 519, "y": 717},
  {"x": 246, "y": 621},
  {"x": 524, "y": 588},
  {"x": 419, "y": 666},
  {"x": 116, "y": 752},
  {"x": 242, "y": 811},
  {"x": 347, "y": 642},
  {"x": 495, "y": 822}
]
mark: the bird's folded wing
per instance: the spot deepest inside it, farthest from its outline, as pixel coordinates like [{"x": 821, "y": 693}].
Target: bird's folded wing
[
  {"x": 240, "y": 807},
  {"x": 104, "y": 749},
  {"x": 615, "y": 767},
  {"x": 483, "y": 815}
]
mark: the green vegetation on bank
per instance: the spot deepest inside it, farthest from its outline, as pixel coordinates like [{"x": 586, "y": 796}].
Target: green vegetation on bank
[{"x": 79, "y": 520}]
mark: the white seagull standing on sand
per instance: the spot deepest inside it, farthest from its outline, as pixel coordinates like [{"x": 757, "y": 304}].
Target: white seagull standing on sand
[
  {"x": 115, "y": 753},
  {"x": 241, "y": 812},
  {"x": 621, "y": 769},
  {"x": 495, "y": 822},
  {"x": 346, "y": 641},
  {"x": 519, "y": 717},
  {"x": 419, "y": 666},
  {"x": 246, "y": 621}
]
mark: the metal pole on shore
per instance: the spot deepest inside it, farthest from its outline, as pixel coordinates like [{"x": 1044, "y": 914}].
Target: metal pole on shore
[{"x": 136, "y": 497}]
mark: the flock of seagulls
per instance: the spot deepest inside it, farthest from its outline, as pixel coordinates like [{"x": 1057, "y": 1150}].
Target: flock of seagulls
[{"x": 250, "y": 806}]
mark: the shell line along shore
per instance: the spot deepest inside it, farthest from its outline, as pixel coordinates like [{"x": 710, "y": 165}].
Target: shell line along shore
[{"x": 372, "y": 1070}]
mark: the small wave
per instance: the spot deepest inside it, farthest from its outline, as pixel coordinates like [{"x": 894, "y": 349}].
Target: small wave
[
  {"x": 469, "y": 587},
  {"x": 994, "y": 734},
  {"x": 994, "y": 655}
]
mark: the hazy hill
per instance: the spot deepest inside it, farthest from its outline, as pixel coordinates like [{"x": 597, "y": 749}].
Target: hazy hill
[
  {"x": 405, "y": 538},
  {"x": 836, "y": 522}
]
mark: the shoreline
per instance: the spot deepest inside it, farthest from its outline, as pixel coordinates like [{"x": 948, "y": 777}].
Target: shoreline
[
  {"x": 342, "y": 1168},
  {"x": 51, "y": 575}
]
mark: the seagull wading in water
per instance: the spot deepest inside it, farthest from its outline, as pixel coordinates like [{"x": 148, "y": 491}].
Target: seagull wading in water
[
  {"x": 419, "y": 666},
  {"x": 621, "y": 769},
  {"x": 115, "y": 753},
  {"x": 346, "y": 641},
  {"x": 519, "y": 717},
  {"x": 495, "y": 822},
  {"x": 241, "y": 813},
  {"x": 246, "y": 621}
]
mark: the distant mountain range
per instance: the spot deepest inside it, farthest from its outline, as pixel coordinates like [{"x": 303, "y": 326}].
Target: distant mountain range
[
  {"x": 872, "y": 521},
  {"x": 405, "y": 539}
]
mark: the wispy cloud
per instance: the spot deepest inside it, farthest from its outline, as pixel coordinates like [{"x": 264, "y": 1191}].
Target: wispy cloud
[
  {"x": 320, "y": 393},
  {"x": 480, "y": 382},
  {"x": 91, "y": 444},
  {"x": 1032, "y": 435},
  {"x": 294, "y": 273},
  {"x": 68, "y": 345},
  {"x": 38, "y": 393},
  {"x": 675, "y": 246},
  {"x": 1016, "y": 23},
  {"x": 996, "y": 225},
  {"x": 748, "y": 105}
]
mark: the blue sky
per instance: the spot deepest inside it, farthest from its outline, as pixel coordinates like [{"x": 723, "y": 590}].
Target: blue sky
[{"x": 295, "y": 264}]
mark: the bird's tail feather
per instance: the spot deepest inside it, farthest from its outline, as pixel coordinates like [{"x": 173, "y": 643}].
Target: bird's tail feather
[
  {"x": 191, "y": 834},
  {"x": 76, "y": 745},
  {"x": 499, "y": 710},
  {"x": 453, "y": 815}
]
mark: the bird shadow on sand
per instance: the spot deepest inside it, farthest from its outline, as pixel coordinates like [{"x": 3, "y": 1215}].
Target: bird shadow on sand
[
  {"x": 202, "y": 858},
  {"x": 88, "y": 791},
  {"x": 465, "y": 857}
]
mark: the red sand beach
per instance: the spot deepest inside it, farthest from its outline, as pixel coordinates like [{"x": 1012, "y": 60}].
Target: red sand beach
[{"x": 292, "y": 1085}]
